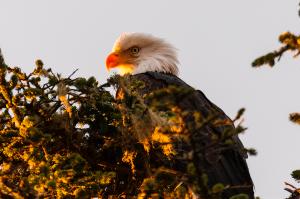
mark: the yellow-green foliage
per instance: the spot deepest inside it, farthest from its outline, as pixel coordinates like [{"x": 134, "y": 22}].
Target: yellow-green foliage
[
  {"x": 70, "y": 138},
  {"x": 289, "y": 41}
]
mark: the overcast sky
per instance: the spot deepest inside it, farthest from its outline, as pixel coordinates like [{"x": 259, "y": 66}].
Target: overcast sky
[{"x": 217, "y": 41}]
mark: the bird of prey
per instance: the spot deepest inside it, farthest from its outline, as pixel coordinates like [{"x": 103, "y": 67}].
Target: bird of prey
[{"x": 154, "y": 61}]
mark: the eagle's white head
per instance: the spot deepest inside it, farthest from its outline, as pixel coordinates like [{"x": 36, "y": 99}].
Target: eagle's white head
[{"x": 135, "y": 53}]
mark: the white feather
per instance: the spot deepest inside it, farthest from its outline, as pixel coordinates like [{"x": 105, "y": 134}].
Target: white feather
[{"x": 155, "y": 55}]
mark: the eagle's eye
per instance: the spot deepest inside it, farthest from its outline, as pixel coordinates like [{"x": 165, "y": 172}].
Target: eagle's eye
[{"x": 134, "y": 50}]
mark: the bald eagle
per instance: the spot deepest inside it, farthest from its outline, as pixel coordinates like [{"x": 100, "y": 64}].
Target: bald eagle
[{"x": 154, "y": 61}]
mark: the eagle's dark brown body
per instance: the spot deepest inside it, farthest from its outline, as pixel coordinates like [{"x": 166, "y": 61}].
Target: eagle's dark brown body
[{"x": 222, "y": 165}]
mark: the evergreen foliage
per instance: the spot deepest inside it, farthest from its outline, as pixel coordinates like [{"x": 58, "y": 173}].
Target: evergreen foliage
[
  {"x": 290, "y": 42},
  {"x": 70, "y": 138}
]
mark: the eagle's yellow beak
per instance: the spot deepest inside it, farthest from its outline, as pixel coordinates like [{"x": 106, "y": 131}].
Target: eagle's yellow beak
[
  {"x": 115, "y": 60},
  {"x": 112, "y": 60}
]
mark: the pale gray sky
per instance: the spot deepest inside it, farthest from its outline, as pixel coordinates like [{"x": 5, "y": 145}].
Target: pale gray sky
[{"x": 217, "y": 41}]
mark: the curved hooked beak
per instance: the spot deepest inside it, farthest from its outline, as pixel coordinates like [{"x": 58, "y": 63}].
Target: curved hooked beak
[{"x": 112, "y": 61}]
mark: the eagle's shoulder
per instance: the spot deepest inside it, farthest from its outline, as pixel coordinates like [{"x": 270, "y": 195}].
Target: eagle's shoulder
[
  {"x": 161, "y": 78},
  {"x": 158, "y": 80}
]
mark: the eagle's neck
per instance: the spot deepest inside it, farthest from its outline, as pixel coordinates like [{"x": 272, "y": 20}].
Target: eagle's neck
[{"x": 158, "y": 63}]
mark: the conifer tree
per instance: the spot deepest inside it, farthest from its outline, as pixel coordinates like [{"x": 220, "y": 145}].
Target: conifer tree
[{"x": 70, "y": 138}]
